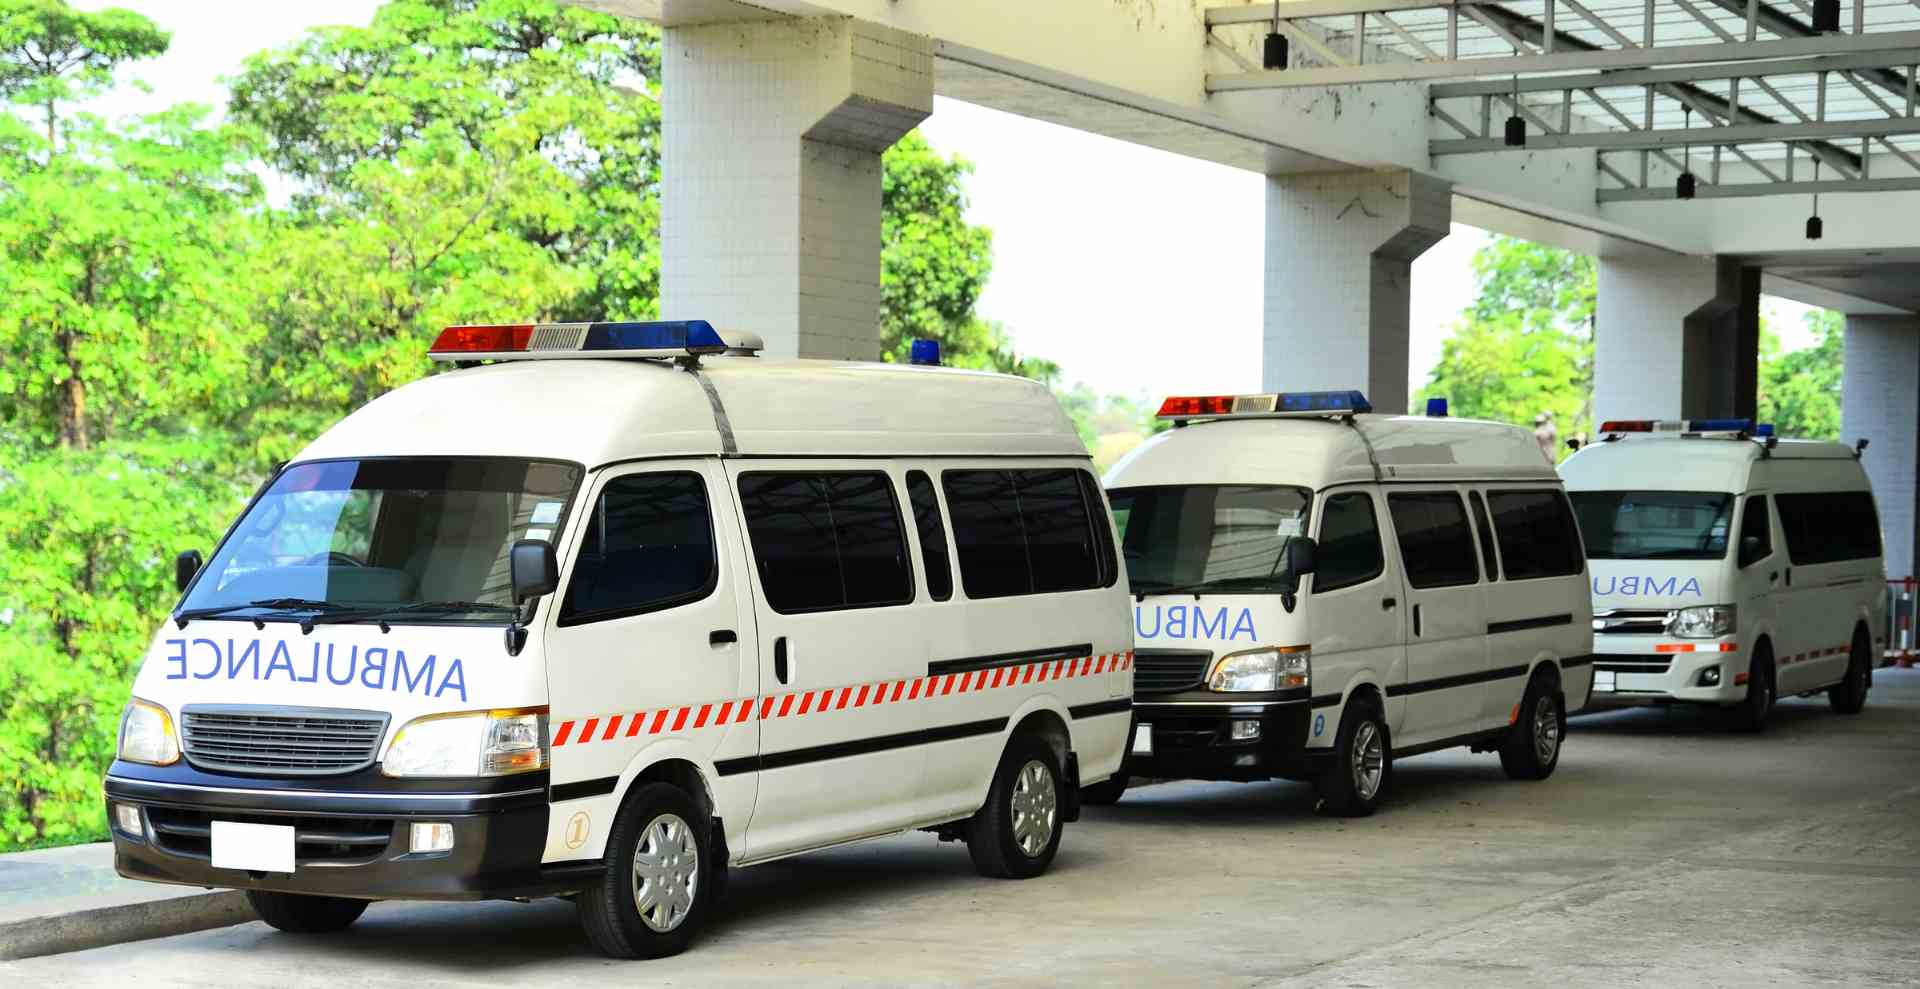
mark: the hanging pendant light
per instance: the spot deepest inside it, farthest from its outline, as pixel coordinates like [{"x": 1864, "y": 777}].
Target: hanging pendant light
[
  {"x": 1686, "y": 185},
  {"x": 1815, "y": 228},
  {"x": 1273, "y": 55},
  {"x": 1826, "y": 16},
  {"x": 1516, "y": 127}
]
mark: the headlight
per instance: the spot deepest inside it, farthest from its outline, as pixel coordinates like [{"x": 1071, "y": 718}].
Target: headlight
[
  {"x": 1277, "y": 668},
  {"x": 146, "y": 735},
  {"x": 1705, "y": 622},
  {"x": 473, "y": 743}
]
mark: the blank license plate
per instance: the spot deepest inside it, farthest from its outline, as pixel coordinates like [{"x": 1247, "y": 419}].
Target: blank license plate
[
  {"x": 1143, "y": 740},
  {"x": 1603, "y": 681},
  {"x": 256, "y": 847}
]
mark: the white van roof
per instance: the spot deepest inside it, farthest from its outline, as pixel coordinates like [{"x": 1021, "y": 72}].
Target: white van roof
[
  {"x": 1675, "y": 463},
  {"x": 597, "y": 411},
  {"x": 1318, "y": 451}
]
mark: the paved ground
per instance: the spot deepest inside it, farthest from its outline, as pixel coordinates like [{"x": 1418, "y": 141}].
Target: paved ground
[{"x": 1665, "y": 852}]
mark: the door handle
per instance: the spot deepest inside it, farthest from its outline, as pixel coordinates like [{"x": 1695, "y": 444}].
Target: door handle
[
  {"x": 1789, "y": 576},
  {"x": 780, "y": 659},
  {"x": 1416, "y": 619},
  {"x": 1774, "y": 577},
  {"x": 722, "y": 637},
  {"x": 1388, "y": 604}
]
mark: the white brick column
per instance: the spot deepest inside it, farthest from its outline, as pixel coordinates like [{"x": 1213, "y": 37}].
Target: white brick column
[
  {"x": 1880, "y": 402},
  {"x": 770, "y": 175},
  {"x": 1339, "y": 273},
  {"x": 1675, "y": 338}
]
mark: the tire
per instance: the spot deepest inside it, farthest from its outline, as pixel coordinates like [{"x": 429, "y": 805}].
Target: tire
[
  {"x": 1105, "y": 793},
  {"x": 1750, "y": 715},
  {"x": 1850, "y": 695},
  {"x": 1017, "y": 833},
  {"x": 661, "y": 843},
  {"x": 1362, "y": 761},
  {"x": 297, "y": 913},
  {"x": 1531, "y": 749}
]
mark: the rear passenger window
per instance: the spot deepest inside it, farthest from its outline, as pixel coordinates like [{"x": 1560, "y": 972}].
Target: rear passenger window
[
  {"x": 1349, "y": 549},
  {"x": 1537, "y": 534},
  {"x": 1488, "y": 562},
  {"x": 1027, "y": 532},
  {"x": 648, "y": 546},
  {"x": 824, "y": 542},
  {"x": 933, "y": 535},
  {"x": 1829, "y": 528},
  {"x": 1435, "y": 544}
]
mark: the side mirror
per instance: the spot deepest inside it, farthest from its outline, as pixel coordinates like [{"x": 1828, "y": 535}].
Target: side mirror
[
  {"x": 185, "y": 566},
  {"x": 1749, "y": 550},
  {"x": 534, "y": 569},
  {"x": 1301, "y": 553}
]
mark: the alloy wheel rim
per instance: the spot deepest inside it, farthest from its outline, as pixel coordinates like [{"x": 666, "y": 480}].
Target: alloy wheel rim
[
  {"x": 1369, "y": 760},
  {"x": 1546, "y": 730},
  {"x": 1036, "y": 806},
  {"x": 666, "y": 873}
]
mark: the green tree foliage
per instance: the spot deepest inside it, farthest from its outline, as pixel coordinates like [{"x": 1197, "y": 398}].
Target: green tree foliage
[
  {"x": 52, "y": 54},
  {"x": 1800, "y": 389}
]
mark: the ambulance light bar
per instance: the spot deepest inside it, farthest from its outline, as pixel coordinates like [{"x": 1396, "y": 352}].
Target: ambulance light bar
[
  {"x": 1298, "y": 403},
  {"x": 1689, "y": 427},
  {"x": 534, "y": 341}
]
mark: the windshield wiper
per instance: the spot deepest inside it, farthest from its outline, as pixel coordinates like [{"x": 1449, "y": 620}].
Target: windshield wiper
[
  {"x": 1140, "y": 593},
  {"x": 450, "y": 608},
  {"x": 181, "y": 619}
]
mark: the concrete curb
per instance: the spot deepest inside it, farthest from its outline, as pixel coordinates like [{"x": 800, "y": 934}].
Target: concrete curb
[{"x": 103, "y": 926}]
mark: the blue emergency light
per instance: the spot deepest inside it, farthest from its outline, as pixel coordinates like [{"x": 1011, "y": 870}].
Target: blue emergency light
[
  {"x": 693, "y": 336},
  {"x": 1324, "y": 401},
  {"x": 1763, "y": 430},
  {"x": 925, "y": 352},
  {"x": 1720, "y": 425}
]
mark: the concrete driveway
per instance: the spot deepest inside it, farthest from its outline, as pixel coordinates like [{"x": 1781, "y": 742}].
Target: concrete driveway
[{"x": 1665, "y": 852}]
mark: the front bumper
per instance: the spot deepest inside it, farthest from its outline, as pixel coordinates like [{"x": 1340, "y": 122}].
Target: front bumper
[
  {"x": 1647, "y": 669},
  {"x": 1192, "y": 738},
  {"x": 349, "y": 842}
]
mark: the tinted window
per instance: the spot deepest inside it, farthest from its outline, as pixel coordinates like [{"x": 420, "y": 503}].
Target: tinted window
[
  {"x": 1753, "y": 525},
  {"x": 1827, "y": 528},
  {"x": 1435, "y": 544},
  {"x": 1024, "y": 532},
  {"x": 826, "y": 541},
  {"x": 1488, "y": 562},
  {"x": 1654, "y": 525},
  {"x": 648, "y": 545},
  {"x": 1536, "y": 532},
  {"x": 933, "y": 535},
  {"x": 1205, "y": 538},
  {"x": 1349, "y": 551}
]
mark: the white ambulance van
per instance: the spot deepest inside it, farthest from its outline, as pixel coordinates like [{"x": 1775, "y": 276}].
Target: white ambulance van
[
  {"x": 1730, "y": 567},
  {"x": 1319, "y": 591},
  {"x": 618, "y": 610}
]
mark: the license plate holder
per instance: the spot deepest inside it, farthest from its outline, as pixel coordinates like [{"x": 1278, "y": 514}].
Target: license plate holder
[
  {"x": 1603, "y": 682},
  {"x": 253, "y": 847},
  {"x": 1143, "y": 739}
]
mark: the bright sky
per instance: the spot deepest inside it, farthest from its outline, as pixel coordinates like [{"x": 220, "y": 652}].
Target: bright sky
[{"x": 1138, "y": 271}]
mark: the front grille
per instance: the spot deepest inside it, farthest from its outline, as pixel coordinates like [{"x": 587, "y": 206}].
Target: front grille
[
  {"x": 1632, "y": 664},
  {"x": 1161, "y": 670},
  {"x": 189, "y": 834},
  {"x": 1631, "y": 622},
  {"x": 293, "y": 741}
]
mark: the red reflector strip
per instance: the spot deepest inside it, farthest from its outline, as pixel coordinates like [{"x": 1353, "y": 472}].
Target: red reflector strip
[{"x": 482, "y": 339}]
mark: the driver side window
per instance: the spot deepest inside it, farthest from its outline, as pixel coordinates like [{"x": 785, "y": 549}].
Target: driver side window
[
  {"x": 1755, "y": 524},
  {"x": 1349, "y": 549},
  {"x": 648, "y": 546}
]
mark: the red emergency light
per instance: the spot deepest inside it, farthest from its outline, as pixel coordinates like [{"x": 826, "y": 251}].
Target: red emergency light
[
  {"x": 1196, "y": 405},
  {"x": 1627, "y": 426},
  {"x": 492, "y": 339}
]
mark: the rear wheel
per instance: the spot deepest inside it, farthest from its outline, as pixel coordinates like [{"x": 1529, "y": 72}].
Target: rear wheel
[
  {"x": 297, "y": 913},
  {"x": 1362, "y": 761},
  {"x": 1531, "y": 749},
  {"x": 1105, "y": 793},
  {"x": 655, "y": 886},
  {"x": 1751, "y": 713},
  {"x": 1016, "y": 834},
  {"x": 1850, "y": 695}
]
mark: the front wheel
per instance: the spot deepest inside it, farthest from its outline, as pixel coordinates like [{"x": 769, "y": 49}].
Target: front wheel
[
  {"x": 1531, "y": 749},
  {"x": 1849, "y": 696},
  {"x": 1750, "y": 715},
  {"x": 656, "y": 879},
  {"x": 1017, "y": 833},
  {"x": 297, "y": 913},
  {"x": 1362, "y": 761}
]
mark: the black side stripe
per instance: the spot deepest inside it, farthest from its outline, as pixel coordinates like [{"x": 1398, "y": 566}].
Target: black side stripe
[
  {"x": 585, "y": 788},
  {"x": 1574, "y": 661},
  {"x": 970, "y": 663},
  {"x": 1326, "y": 700},
  {"x": 1461, "y": 680},
  {"x": 1117, "y": 706},
  {"x": 1522, "y": 624},
  {"x": 859, "y": 746}
]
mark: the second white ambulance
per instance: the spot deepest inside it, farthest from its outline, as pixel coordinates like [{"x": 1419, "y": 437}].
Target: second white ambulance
[
  {"x": 1320, "y": 591},
  {"x": 1730, "y": 567},
  {"x": 619, "y": 610}
]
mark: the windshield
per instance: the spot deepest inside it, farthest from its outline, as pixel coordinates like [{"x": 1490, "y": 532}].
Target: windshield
[
  {"x": 378, "y": 535},
  {"x": 1653, "y": 525},
  {"x": 1200, "y": 538}
]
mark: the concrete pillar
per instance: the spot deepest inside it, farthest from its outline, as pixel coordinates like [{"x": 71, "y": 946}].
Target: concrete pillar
[
  {"x": 770, "y": 175},
  {"x": 1676, "y": 338},
  {"x": 1880, "y": 403},
  {"x": 1339, "y": 272}
]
